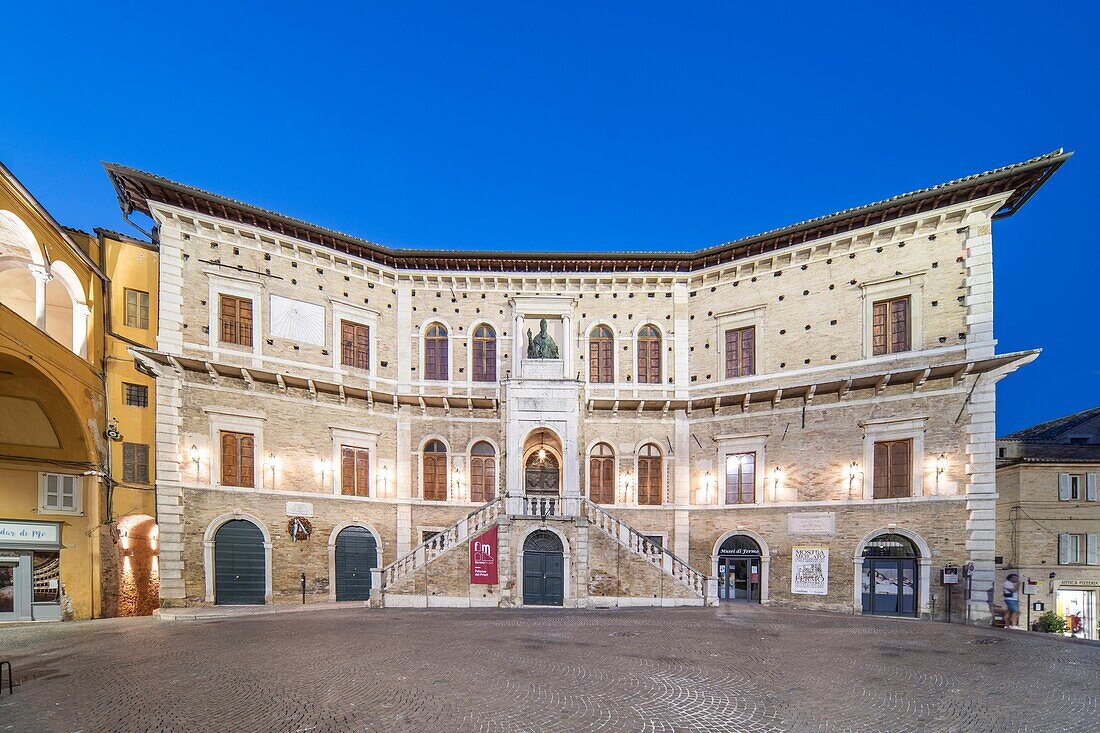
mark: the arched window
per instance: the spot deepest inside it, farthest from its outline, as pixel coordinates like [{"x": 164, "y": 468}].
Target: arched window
[
  {"x": 650, "y": 475},
  {"x": 434, "y": 469},
  {"x": 649, "y": 355},
  {"x": 435, "y": 353},
  {"x": 483, "y": 472},
  {"x": 601, "y": 355},
  {"x": 485, "y": 354},
  {"x": 601, "y": 474}
]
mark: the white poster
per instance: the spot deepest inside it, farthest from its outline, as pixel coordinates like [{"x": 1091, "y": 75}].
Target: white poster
[{"x": 810, "y": 570}]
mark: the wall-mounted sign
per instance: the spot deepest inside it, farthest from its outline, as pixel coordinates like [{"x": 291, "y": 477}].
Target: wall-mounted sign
[
  {"x": 299, "y": 509},
  {"x": 813, "y": 523},
  {"x": 950, "y": 575},
  {"x": 1032, "y": 588},
  {"x": 810, "y": 570},
  {"x": 483, "y": 558},
  {"x": 34, "y": 535}
]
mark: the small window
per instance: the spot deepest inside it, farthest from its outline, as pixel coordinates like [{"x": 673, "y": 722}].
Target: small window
[
  {"x": 135, "y": 395},
  {"x": 354, "y": 345},
  {"x": 890, "y": 326},
  {"x": 741, "y": 478},
  {"x": 601, "y": 359},
  {"x": 354, "y": 471},
  {"x": 1077, "y": 487},
  {"x": 655, "y": 539},
  {"x": 60, "y": 493},
  {"x": 135, "y": 463},
  {"x": 137, "y": 308},
  {"x": 1079, "y": 440},
  {"x": 740, "y": 352},
  {"x": 238, "y": 459},
  {"x": 236, "y": 320},
  {"x": 892, "y": 474},
  {"x": 1077, "y": 549}
]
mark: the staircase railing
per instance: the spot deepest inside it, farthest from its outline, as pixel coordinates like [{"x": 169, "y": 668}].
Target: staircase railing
[
  {"x": 654, "y": 553},
  {"x": 473, "y": 523}
]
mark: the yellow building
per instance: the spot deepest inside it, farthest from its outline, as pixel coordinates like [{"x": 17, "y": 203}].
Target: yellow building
[{"x": 64, "y": 552}]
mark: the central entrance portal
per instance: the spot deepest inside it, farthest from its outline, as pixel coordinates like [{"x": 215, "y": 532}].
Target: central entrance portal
[
  {"x": 543, "y": 570},
  {"x": 542, "y": 464},
  {"x": 739, "y": 561}
]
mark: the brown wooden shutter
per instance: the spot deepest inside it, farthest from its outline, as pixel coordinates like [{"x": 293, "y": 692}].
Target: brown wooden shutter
[
  {"x": 246, "y": 446},
  {"x": 229, "y": 319},
  {"x": 600, "y": 361},
  {"x": 435, "y": 476},
  {"x": 899, "y": 325},
  {"x": 879, "y": 329},
  {"x": 748, "y": 351},
  {"x": 899, "y": 469},
  {"x": 229, "y": 459},
  {"x": 244, "y": 322},
  {"x": 362, "y": 472},
  {"x": 347, "y": 344},
  {"x": 347, "y": 471},
  {"x": 649, "y": 480}
]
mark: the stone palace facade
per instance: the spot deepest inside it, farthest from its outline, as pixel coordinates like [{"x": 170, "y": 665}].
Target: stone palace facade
[{"x": 803, "y": 417}]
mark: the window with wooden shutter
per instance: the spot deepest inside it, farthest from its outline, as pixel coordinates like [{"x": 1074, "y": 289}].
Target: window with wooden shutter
[
  {"x": 601, "y": 474},
  {"x": 890, "y": 326},
  {"x": 484, "y": 354},
  {"x": 354, "y": 471},
  {"x": 60, "y": 493},
  {"x": 236, "y": 320},
  {"x": 436, "y": 363},
  {"x": 650, "y": 475},
  {"x": 601, "y": 355},
  {"x": 892, "y": 469},
  {"x": 740, "y": 352},
  {"x": 135, "y": 462},
  {"x": 483, "y": 473},
  {"x": 649, "y": 355},
  {"x": 354, "y": 345},
  {"x": 238, "y": 459},
  {"x": 741, "y": 478},
  {"x": 137, "y": 308},
  {"x": 434, "y": 467}
]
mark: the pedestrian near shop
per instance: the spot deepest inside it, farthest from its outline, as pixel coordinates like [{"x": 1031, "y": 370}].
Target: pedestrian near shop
[{"x": 1012, "y": 601}]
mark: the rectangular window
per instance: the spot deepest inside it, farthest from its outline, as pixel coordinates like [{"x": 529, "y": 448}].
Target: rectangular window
[
  {"x": 1077, "y": 487},
  {"x": 354, "y": 471},
  {"x": 741, "y": 478},
  {"x": 135, "y": 395},
  {"x": 354, "y": 345},
  {"x": 740, "y": 352},
  {"x": 1077, "y": 549},
  {"x": 890, "y": 326},
  {"x": 892, "y": 469},
  {"x": 236, "y": 320},
  {"x": 238, "y": 459},
  {"x": 655, "y": 539},
  {"x": 60, "y": 493},
  {"x": 135, "y": 463},
  {"x": 137, "y": 308}
]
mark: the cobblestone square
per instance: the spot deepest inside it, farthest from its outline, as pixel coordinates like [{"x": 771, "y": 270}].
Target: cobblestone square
[{"x": 734, "y": 668}]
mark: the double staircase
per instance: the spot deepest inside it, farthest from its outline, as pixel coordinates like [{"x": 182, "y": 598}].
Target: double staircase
[{"x": 546, "y": 508}]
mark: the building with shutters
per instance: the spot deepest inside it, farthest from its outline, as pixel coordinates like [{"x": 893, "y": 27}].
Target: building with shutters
[
  {"x": 1048, "y": 516},
  {"x": 803, "y": 417}
]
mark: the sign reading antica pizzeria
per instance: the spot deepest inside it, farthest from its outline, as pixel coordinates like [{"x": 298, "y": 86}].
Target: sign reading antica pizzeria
[{"x": 483, "y": 558}]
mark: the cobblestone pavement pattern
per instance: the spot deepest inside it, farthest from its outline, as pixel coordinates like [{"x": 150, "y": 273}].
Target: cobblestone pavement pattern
[{"x": 726, "y": 669}]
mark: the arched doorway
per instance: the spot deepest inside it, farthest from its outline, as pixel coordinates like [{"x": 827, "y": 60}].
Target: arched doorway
[
  {"x": 542, "y": 464},
  {"x": 356, "y": 556},
  {"x": 890, "y": 580},
  {"x": 740, "y": 570},
  {"x": 239, "y": 564},
  {"x": 138, "y": 567},
  {"x": 543, "y": 569}
]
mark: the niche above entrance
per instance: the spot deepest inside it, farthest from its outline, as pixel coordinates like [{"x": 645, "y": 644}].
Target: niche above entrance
[{"x": 542, "y": 328}]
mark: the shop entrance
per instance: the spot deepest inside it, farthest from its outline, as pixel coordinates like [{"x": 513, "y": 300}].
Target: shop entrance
[
  {"x": 1078, "y": 607},
  {"x": 739, "y": 570},
  {"x": 890, "y": 576},
  {"x": 9, "y": 588}
]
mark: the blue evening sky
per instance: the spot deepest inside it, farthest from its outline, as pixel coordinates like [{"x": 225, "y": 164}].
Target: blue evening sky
[{"x": 572, "y": 126}]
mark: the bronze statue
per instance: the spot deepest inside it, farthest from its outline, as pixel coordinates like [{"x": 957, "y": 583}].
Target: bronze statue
[{"x": 541, "y": 346}]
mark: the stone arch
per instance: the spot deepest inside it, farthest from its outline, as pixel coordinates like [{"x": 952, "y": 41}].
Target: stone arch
[
  {"x": 332, "y": 550},
  {"x": 567, "y": 593},
  {"x": 137, "y": 565},
  {"x": 765, "y": 557},
  {"x": 67, "y": 309},
  {"x": 208, "y": 551},
  {"x": 17, "y": 241},
  {"x": 924, "y": 562}
]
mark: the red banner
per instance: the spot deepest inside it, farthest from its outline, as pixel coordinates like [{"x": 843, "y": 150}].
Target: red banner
[{"x": 483, "y": 558}]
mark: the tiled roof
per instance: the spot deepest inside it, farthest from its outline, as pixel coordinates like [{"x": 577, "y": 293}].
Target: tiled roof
[
  {"x": 136, "y": 188},
  {"x": 1051, "y": 429}
]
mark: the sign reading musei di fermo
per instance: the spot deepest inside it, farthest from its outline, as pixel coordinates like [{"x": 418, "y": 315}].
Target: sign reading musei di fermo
[{"x": 483, "y": 558}]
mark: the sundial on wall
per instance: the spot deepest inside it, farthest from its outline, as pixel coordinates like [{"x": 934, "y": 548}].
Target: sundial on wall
[{"x": 297, "y": 320}]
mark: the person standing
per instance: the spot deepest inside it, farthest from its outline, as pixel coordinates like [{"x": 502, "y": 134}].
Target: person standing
[{"x": 1012, "y": 601}]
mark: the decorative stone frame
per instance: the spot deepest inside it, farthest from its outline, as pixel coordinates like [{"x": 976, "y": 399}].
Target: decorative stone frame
[
  {"x": 911, "y": 285},
  {"x": 421, "y": 338},
  {"x": 924, "y": 563},
  {"x": 894, "y": 428},
  {"x": 470, "y": 354},
  {"x": 586, "y": 351},
  {"x": 740, "y": 318},
  {"x": 236, "y": 421},
  {"x": 240, "y": 286},
  {"x": 663, "y": 351},
  {"x": 355, "y": 438},
  {"x": 208, "y": 552},
  {"x": 332, "y": 551},
  {"x": 365, "y": 317},
  {"x": 765, "y": 558},
  {"x": 568, "y": 601},
  {"x": 745, "y": 443}
]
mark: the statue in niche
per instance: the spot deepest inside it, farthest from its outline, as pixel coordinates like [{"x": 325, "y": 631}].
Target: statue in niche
[{"x": 541, "y": 346}]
